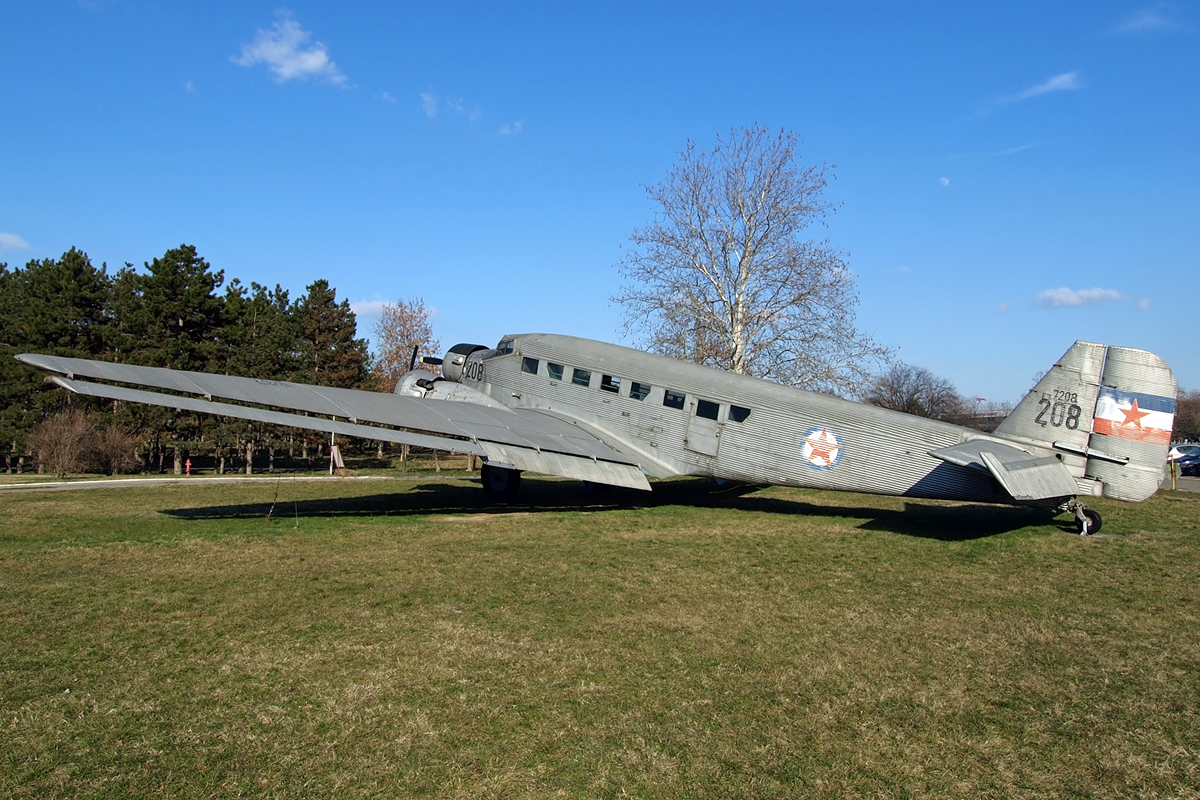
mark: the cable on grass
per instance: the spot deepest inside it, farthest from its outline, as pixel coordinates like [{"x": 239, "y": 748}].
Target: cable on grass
[{"x": 271, "y": 510}]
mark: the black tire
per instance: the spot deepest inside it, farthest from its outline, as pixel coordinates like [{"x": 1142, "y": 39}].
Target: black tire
[
  {"x": 500, "y": 484},
  {"x": 1094, "y": 522}
]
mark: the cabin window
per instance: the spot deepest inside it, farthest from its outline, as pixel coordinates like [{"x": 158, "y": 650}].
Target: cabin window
[
  {"x": 504, "y": 348},
  {"x": 639, "y": 391},
  {"x": 738, "y": 413},
  {"x": 610, "y": 384},
  {"x": 529, "y": 365},
  {"x": 707, "y": 409},
  {"x": 581, "y": 377},
  {"x": 672, "y": 399},
  {"x": 554, "y": 370}
]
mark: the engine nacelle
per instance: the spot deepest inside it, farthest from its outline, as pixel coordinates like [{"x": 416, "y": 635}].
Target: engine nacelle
[
  {"x": 415, "y": 383},
  {"x": 456, "y": 359}
]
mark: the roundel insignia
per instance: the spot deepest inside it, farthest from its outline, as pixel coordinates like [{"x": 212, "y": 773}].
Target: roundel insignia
[{"x": 821, "y": 448}]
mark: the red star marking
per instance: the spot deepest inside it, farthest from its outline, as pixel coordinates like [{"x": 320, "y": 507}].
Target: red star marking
[
  {"x": 821, "y": 448},
  {"x": 1134, "y": 416}
]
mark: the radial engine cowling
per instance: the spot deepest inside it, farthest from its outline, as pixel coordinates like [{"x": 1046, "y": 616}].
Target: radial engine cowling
[
  {"x": 456, "y": 358},
  {"x": 415, "y": 383}
]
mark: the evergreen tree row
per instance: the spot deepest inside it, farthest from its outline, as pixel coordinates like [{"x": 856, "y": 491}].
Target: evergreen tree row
[{"x": 172, "y": 314}]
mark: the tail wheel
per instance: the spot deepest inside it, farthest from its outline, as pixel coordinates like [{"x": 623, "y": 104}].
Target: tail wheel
[
  {"x": 500, "y": 484},
  {"x": 1089, "y": 524}
]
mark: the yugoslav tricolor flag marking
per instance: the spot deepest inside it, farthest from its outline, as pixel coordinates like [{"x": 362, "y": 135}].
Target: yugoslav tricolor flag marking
[{"x": 1132, "y": 415}]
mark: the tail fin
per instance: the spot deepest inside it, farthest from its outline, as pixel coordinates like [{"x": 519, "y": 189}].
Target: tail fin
[{"x": 1109, "y": 413}]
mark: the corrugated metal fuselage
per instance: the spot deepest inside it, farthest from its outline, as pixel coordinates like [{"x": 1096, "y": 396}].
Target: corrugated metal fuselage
[{"x": 789, "y": 437}]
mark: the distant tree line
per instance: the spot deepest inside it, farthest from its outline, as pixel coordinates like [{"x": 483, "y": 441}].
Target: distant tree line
[
  {"x": 178, "y": 313},
  {"x": 1187, "y": 417},
  {"x": 916, "y": 390}
]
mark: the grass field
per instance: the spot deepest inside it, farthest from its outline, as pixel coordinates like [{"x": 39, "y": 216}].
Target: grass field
[{"x": 400, "y": 638}]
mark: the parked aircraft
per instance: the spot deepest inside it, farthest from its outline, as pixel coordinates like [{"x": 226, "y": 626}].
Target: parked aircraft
[{"x": 1097, "y": 424}]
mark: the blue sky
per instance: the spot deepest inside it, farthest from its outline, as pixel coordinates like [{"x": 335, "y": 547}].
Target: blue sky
[{"x": 1011, "y": 176}]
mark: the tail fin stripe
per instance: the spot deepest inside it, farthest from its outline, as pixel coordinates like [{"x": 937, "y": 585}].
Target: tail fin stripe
[
  {"x": 1134, "y": 415},
  {"x": 1146, "y": 402}
]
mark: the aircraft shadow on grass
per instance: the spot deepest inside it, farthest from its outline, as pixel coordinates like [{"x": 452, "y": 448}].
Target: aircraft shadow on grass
[{"x": 926, "y": 520}]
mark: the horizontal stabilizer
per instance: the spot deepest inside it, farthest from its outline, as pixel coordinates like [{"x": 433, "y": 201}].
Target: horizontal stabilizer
[
  {"x": 1023, "y": 476},
  {"x": 1035, "y": 479}
]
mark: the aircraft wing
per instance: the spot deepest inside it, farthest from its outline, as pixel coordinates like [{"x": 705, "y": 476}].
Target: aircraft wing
[
  {"x": 522, "y": 439},
  {"x": 1024, "y": 476}
]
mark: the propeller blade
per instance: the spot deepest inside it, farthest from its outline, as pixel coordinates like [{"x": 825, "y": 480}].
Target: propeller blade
[
  {"x": 412, "y": 362},
  {"x": 437, "y": 362}
]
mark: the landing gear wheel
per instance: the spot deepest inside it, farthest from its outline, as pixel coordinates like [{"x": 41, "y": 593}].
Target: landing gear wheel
[
  {"x": 500, "y": 484},
  {"x": 1087, "y": 522}
]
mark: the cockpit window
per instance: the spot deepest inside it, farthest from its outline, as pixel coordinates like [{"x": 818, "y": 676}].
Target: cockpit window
[
  {"x": 554, "y": 370},
  {"x": 529, "y": 365},
  {"x": 610, "y": 384},
  {"x": 738, "y": 413},
  {"x": 581, "y": 377},
  {"x": 673, "y": 399},
  {"x": 504, "y": 348},
  {"x": 638, "y": 391}
]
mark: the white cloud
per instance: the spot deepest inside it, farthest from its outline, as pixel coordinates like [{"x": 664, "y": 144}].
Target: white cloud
[
  {"x": 10, "y": 241},
  {"x": 367, "y": 308},
  {"x": 387, "y": 97},
  {"x": 508, "y": 129},
  {"x": 1145, "y": 303},
  {"x": 1067, "y": 81},
  {"x": 944, "y": 181},
  {"x": 429, "y": 104},
  {"x": 1002, "y": 308},
  {"x": 287, "y": 54},
  {"x": 1064, "y": 82},
  {"x": 189, "y": 87},
  {"x": 1157, "y": 18},
  {"x": 1013, "y": 150},
  {"x": 1064, "y": 297}
]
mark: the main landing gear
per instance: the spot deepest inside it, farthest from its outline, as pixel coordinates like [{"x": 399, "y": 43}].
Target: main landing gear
[
  {"x": 500, "y": 484},
  {"x": 1087, "y": 521}
]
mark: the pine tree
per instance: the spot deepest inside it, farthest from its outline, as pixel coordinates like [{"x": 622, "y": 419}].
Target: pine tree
[
  {"x": 58, "y": 307},
  {"x": 329, "y": 354},
  {"x": 182, "y": 312}
]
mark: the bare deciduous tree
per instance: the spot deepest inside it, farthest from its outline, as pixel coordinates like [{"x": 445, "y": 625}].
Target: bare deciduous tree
[
  {"x": 399, "y": 329},
  {"x": 65, "y": 442},
  {"x": 1187, "y": 417},
  {"x": 116, "y": 449},
  {"x": 916, "y": 390},
  {"x": 724, "y": 276}
]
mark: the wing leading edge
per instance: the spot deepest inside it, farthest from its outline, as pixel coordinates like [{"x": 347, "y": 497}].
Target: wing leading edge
[{"x": 522, "y": 439}]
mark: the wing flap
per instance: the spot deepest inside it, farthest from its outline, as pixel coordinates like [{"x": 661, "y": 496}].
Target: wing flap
[{"x": 584, "y": 469}]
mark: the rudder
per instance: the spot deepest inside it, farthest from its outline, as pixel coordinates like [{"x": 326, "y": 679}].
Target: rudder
[{"x": 1134, "y": 415}]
